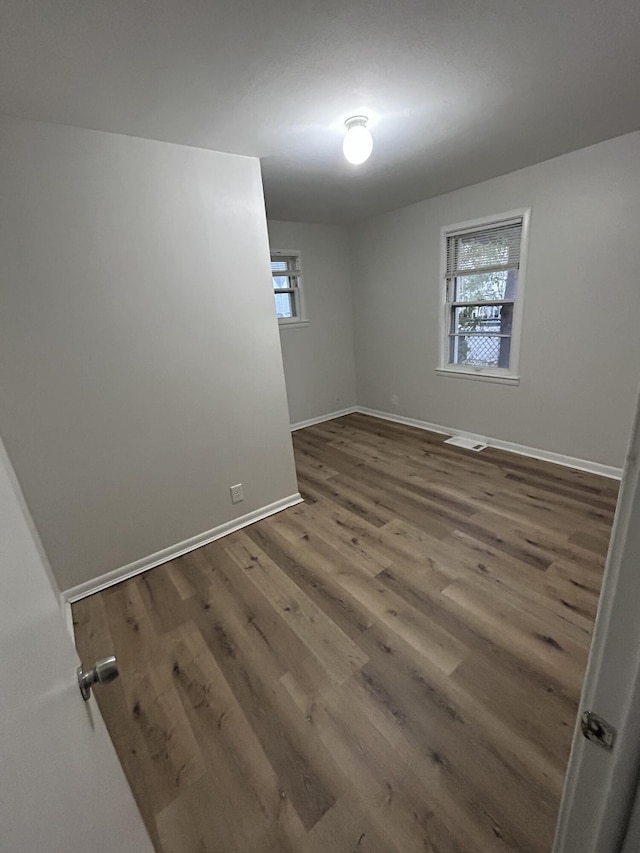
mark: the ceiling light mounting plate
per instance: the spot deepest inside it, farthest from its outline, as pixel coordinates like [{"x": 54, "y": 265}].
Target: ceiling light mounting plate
[{"x": 356, "y": 121}]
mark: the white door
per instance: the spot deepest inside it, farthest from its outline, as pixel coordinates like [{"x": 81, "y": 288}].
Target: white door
[
  {"x": 61, "y": 786},
  {"x": 601, "y": 786}
]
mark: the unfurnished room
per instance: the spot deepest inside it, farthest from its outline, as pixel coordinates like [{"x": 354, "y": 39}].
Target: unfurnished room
[{"x": 319, "y": 432}]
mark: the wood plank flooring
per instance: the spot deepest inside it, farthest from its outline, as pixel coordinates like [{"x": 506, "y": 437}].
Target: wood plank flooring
[{"x": 392, "y": 666}]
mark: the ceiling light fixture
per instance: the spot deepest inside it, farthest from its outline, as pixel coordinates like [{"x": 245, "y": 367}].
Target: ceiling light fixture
[{"x": 358, "y": 142}]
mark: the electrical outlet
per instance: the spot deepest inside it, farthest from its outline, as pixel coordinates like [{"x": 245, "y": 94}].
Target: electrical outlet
[
  {"x": 237, "y": 494},
  {"x": 394, "y": 400}
]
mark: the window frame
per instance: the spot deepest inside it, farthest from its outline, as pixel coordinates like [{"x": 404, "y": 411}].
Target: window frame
[
  {"x": 507, "y": 375},
  {"x": 297, "y": 292}
]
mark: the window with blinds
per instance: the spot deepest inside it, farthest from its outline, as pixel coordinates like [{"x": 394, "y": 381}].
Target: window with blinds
[
  {"x": 286, "y": 276},
  {"x": 483, "y": 283}
]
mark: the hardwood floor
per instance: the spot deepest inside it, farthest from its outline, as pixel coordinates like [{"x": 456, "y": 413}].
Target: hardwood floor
[{"x": 392, "y": 666}]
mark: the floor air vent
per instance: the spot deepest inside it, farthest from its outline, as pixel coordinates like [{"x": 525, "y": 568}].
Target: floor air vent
[{"x": 467, "y": 443}]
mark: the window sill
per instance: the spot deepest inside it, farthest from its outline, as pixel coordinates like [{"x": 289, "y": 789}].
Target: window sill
[
  {"x": 480, "y": 375},
  {"x": 297, "y": 324}
]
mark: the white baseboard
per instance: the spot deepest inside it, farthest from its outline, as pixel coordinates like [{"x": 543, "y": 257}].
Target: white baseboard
[
  {"x": 509, "y": 446},
  {"x": 322, "y": 418},
  {"x": 118, "y": 575},
  {"x": 400, "y": 419}
]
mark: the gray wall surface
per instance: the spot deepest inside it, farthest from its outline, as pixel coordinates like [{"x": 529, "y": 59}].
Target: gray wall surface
[
  {"x": 140, "y": 364},
  {"x": 580, "y": 349},
  {"x": 319, "y": 361}
]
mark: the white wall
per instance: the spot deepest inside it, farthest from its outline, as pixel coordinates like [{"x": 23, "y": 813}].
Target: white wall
[
  {"x": 140, "y": 365},
  {"x": 580, "y": 354},
  {"x": 319, "y": 362}
]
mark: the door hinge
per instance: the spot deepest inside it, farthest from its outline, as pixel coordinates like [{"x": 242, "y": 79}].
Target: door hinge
[{"x": 598, "y": 730}]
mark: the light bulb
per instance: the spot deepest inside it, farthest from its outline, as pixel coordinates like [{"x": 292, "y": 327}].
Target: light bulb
[{"x": 358, "y": 142}]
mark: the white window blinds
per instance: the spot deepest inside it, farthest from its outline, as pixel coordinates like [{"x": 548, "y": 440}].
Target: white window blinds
[
  {"x": 283, "y": 266},
  {"x": 492, "y": 249}
]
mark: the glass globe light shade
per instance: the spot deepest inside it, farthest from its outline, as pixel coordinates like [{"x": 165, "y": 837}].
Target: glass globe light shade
[{"x": 358, "y": 142}]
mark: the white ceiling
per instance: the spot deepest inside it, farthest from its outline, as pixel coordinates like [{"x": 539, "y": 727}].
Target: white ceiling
[{"x": 459, "y": 90}]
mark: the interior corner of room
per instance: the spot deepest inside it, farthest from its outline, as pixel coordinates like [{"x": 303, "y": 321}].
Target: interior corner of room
[
  {"x": 379, "y": 308},
  {"x": 138, "y": 385}
]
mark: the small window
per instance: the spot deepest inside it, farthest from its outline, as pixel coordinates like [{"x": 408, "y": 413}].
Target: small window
[
  {"x": 286, "y": 275},
  {"x": 482, "y": 297}
]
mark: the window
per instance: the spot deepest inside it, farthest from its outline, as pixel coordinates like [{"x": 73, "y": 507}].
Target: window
[
  {"x": 483, "y": 271},
  {"x": 287, "y": 287}
]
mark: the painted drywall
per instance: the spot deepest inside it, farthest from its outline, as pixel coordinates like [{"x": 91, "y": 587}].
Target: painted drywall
[
  {"x": 319, "y": 361},
  {"x": 580, "y": 352},
  {"x": 140, "y": 364}
]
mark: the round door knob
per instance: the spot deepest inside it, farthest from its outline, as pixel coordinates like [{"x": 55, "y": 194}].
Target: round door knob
[{"x": 104, "y": 671}]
